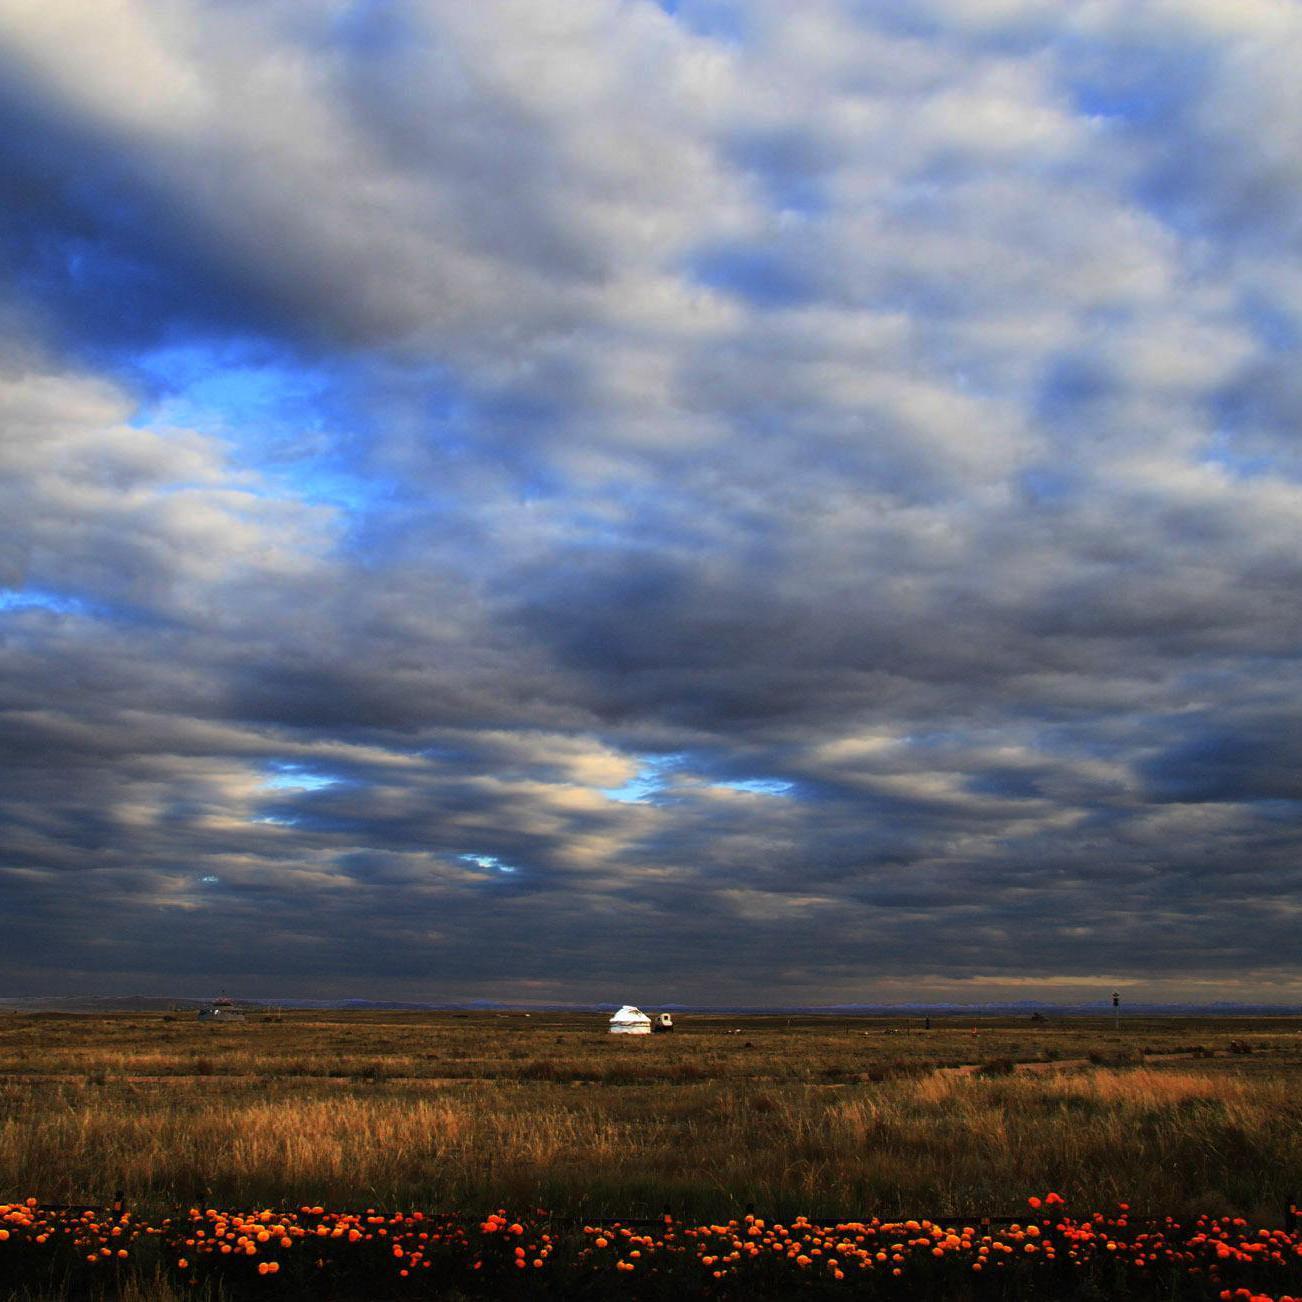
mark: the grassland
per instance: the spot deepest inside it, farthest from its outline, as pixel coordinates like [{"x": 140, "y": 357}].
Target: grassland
[{"x": 828, "y": 1116}]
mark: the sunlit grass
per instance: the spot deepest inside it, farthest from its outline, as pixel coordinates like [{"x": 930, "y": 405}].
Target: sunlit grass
[{"x": 947, "y": 1143}]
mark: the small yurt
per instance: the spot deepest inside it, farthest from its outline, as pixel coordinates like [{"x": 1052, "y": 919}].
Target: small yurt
[{"x": 630, "y": 1021}]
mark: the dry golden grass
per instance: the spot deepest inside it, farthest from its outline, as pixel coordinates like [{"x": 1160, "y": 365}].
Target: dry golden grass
[
  {"x": 570, "y": 1047},
  {"x": 813, "y": 1116}
]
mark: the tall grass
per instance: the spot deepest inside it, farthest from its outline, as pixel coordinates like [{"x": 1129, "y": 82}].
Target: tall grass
[{"x": 1165, "y": 1141}]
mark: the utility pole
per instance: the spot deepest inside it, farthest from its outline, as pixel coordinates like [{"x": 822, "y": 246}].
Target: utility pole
[{"x": 1116, "y": 1009}]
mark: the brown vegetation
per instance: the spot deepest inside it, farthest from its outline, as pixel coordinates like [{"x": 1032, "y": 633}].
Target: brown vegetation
[{"x": 821, "y": 1116}]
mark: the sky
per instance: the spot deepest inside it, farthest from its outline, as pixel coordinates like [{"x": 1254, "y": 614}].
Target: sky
[{"x": 716, "y": 501}]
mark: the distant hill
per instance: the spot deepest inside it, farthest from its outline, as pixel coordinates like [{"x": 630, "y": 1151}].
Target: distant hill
[{"x": 1021, "y": 1007}]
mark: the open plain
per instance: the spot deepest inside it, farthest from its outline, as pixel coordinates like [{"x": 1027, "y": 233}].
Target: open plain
[{"x": 819, "y": 1115}]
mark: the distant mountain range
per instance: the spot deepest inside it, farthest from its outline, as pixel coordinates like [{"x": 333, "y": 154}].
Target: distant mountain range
[{"x": 1021, "y": 1007}]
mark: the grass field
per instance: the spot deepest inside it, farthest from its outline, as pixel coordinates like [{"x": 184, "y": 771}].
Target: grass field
[{"x": 832, "y": 1117}]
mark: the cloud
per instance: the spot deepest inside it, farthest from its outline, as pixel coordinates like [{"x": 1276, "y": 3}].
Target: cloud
[{"x": 811, "y": 494}]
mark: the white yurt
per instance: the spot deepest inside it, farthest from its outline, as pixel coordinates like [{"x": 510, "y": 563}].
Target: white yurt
[{"x": 630, "y": 1021}]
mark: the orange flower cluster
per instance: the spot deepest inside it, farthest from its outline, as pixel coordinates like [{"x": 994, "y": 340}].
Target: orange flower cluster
[
  {"x": 408, "y": 1242},
  {"x": 1135, "y": 1256},
  {"x": 1049, "y": 1253},
  {"x": 96, "y": 1235}
]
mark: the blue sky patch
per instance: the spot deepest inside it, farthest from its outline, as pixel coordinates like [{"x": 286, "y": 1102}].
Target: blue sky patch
[
  {"x": 58, "y": 603},
  {"x": 489, "y": 862},
  {"x": 758, "y": 786},
  {"x": 297, "y": 777},
  {"x": 761, "y": 277}
]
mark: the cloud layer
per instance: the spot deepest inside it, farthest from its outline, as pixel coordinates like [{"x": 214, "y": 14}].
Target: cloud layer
[{"x": 587, "y": 499}]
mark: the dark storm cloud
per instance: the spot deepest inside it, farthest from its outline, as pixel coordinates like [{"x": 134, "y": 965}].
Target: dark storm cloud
[{"x": 570, "y": 500}]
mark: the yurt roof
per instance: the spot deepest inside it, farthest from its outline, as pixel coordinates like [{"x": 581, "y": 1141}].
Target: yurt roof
[{"x": 630, "y": 1014}]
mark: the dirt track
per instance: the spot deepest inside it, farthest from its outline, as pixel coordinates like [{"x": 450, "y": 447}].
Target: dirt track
[{"x": 1039, "y": 1068}]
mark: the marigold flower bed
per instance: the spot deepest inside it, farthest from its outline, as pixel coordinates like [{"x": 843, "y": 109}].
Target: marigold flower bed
[{"x": 321, "y": 1253}]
